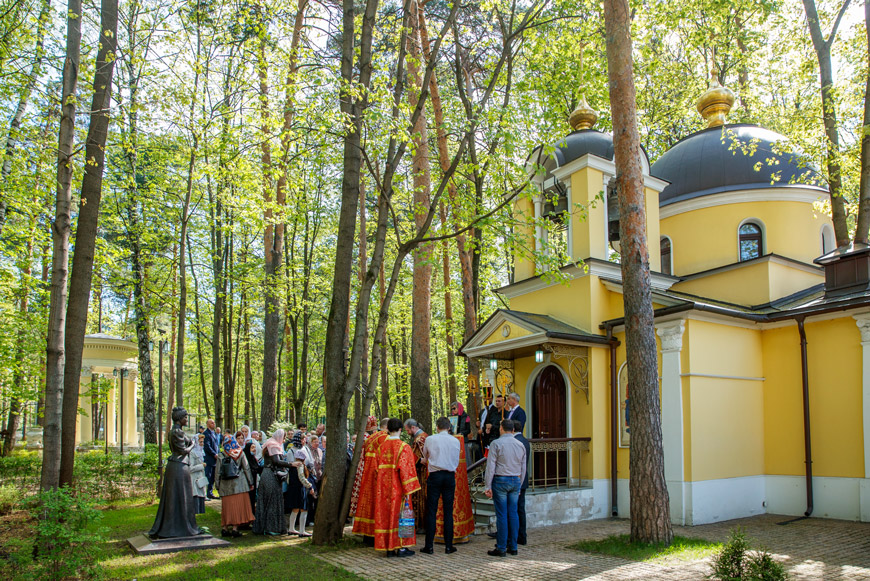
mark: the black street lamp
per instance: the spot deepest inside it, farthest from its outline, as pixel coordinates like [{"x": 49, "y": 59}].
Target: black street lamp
[
  {"x": 124, "y": 371},
  {"x": 162, "y": 346}
]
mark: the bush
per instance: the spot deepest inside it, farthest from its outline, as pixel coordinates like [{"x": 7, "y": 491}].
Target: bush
[
  {"x": 763, "y": 567},
  {"x": 68, "y": 537},
  {"x": 729, "y": 563},
  {"x": 734, "y": 563},
  {"x": 10, "y": 497}
]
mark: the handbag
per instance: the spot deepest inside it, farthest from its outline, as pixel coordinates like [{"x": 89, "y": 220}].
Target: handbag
[
  {"x": 229, "y": 469},
  {"x": 202, "y": 482}
]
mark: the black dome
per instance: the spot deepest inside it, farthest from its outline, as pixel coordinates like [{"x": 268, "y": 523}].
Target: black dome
[
  {"x": 578, "y": 143},
  {"x": 731, "y": 157}
]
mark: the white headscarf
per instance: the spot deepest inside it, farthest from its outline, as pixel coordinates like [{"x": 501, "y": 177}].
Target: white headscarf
[{"x": 275, "y": 444}]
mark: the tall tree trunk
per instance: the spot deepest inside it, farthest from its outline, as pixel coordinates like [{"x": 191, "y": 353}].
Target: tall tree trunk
[
  {"x": 337, "y": 395},
  {"x": 149, "y": 409},
  {"x": 650, "y": 512},
  {"x": 16, "y": 395},
  {"x": 86, "y": 232},
  {"x": 822, "y": 47},
  {"x": 385, "y": 378},
  {"x": 60, "y": 233},
  {"x": 205, "y": 397},
  {"x": 863, "y": 226},
  {"x": 272, "y": 252},
  {"x": 23, "y": 99},
  {"x": 421, "y": 298}
]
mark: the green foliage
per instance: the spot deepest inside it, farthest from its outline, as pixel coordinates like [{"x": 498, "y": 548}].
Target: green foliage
[
  {"x": 108, "y": 477},
  {"x": 735, "y": 562},
  {"x": 730, "y": 562},
  {"x": 763, "y": 567},
  {"x": 68, "y": 536},
  {"x": 682, "y": 548},
  {"x": 10, "y": 496}
]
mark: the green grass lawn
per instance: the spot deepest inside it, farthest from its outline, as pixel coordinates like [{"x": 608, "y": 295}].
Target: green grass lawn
[
  {"x": 682, "y": 549},
  {"x": 250, "y": 557}
]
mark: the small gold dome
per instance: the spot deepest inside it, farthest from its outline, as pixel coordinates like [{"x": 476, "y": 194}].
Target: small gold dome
[
  {"x": 583, "y": 117},
  {"x": 715, "y": 104}
]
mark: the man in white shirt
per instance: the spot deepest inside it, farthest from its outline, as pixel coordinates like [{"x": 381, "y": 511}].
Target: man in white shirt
[{"x": 441, "y": 454}]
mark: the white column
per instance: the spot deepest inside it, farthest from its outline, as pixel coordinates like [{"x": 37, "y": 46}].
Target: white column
[
  {"x": 671, "y": 334},
  {"x": 863, "y": 322},
  {"x": 539, "y": 231}
]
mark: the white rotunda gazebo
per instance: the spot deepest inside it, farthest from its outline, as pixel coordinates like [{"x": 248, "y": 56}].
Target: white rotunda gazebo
[{"x": 113, "y": 363}]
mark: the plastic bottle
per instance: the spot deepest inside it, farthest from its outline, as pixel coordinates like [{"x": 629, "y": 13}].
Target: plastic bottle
[{"x": 406, "y": 522}]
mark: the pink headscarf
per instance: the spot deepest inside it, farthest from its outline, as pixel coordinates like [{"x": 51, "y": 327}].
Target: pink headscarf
[
  {"x": 461, "y": 410},
  {"x": 275, "y": 444}
]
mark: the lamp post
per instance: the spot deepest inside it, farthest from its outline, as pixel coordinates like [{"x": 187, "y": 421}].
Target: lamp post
[
  {"x": 162, "y": 346},
  {"x": 124, "y": 371}
]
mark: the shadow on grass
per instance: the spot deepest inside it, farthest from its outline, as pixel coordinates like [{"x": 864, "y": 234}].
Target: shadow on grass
[
  {"x": 250, "y": 556},
  {"x": 682, "y": 549}
]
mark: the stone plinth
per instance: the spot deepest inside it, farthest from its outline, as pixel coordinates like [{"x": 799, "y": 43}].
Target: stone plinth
[{"x": 142, "y": 545}]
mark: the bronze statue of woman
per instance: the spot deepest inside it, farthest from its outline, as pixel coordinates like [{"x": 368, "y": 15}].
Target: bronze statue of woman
[{"x": 175, "y": 516}]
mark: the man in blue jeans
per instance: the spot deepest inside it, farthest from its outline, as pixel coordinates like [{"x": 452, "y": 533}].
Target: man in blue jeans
[{"x": 505, "y": 472}]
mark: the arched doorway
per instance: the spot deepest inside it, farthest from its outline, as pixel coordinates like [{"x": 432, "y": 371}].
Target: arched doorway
[{"x": 550, "y": 420}]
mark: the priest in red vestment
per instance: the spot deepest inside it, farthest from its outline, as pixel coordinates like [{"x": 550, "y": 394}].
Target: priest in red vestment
[
  {"x": 396, "y": 481},
  {"x": 418, "y": 440},
  {"x": 463, "y": 517},
  {"x": 364, "y": 510}
]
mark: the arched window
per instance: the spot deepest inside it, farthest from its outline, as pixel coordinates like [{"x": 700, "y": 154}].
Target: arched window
[
  {"x": 751, "y": 243},
  {"x": 667, "y": 265},
  {"x": 828, "y": 241}
]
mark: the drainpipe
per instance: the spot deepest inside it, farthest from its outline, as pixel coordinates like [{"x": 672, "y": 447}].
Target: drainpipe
[
  {"x": 614, "y": 424},
  {"x": 808, "y": 454}
]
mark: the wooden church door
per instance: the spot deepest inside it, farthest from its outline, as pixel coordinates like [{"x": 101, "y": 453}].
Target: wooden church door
[{"x": 549, "y": 421}]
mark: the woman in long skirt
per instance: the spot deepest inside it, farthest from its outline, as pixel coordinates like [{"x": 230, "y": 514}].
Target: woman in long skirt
[
  {"x": 270, "y": 501},
  {"x": 235, "y": 505}
]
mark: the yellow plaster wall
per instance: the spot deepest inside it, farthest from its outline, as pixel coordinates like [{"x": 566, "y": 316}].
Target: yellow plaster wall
[
  {"x": 589, "y": 235},
  {"x": 726, "y": 413},
  {"x": 516, "y": 332},
  {"x": 524, "y": 210},
  {"x": 569, "y": 302},
  {"x": 752, "y": 284},
  {"x": 747, "y": 285},
  {"x": 653, "y": 234},
  {"x": 834, "y": 366},
  {"x": 791, "y": 229}
]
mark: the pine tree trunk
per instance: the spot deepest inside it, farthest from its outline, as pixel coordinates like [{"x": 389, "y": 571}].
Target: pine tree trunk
[
  {"x": 829, "y": 113},
  {"x": 863, "y": 227},
  {"x": 60, "y": 233},
  {"x": 650, "y": 513},
  {"x": 421, "y": 297}
]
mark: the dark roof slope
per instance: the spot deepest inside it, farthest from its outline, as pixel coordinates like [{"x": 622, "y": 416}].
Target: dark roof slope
[{"x": 731, "y": 157}]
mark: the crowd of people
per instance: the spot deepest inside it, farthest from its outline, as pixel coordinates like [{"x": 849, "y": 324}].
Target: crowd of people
[{"x": 271, "y": 487}]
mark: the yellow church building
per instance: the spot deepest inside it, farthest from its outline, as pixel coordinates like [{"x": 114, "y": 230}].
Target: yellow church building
[{"x": 763, "y": 330}]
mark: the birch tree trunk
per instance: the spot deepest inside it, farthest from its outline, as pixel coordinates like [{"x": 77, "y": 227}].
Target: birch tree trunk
[
  {"x": 650, "y": 513},
  {"x": 60, "y": 233}
]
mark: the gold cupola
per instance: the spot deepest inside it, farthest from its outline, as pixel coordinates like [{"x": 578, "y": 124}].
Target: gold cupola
[
  {"x": 583, "y": 117},
  {"x": 716, "y": 103}
]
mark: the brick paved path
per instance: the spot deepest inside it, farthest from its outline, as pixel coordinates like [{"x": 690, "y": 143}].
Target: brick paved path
[{"x": 810, "y": 549}]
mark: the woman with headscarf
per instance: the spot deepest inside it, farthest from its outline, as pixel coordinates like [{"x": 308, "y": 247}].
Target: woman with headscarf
[
  {"x": 270, "y": 502},
  {"x": 315, "y": 454},
  {"x": 250, "y": 450},
  {"x": 464, "y": 422},
  {"x": 296, "y": 495},
  {"x": 235, "y": 505},
  {"x": 197, "y": 471}
]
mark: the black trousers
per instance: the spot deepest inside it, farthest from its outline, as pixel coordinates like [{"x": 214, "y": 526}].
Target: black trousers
[
  {"x": 521, "y": 512},
  {"x": 209, "y": 473},
  {"x": 441, "y": 484}
]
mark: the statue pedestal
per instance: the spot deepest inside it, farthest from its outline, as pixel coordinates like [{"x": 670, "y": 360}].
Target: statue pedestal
[{"x": 142, "y": 545}]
